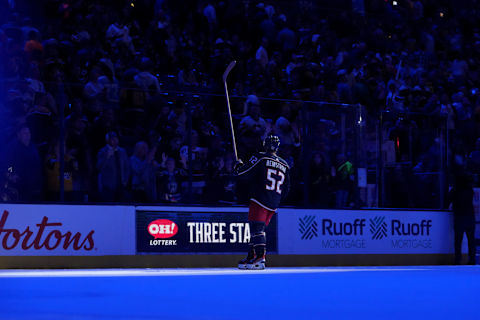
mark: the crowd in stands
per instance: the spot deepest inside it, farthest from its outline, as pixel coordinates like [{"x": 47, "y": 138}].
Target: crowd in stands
[{"x": 139, "y": 86}]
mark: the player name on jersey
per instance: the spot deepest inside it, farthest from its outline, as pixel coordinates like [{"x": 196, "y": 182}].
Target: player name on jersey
[{"x": 277, "y": 165}]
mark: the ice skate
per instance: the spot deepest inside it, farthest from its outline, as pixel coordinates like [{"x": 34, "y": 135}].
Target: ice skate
[
  {"x": 256, "y": 263},
  {"x": 242, "y": 264}
]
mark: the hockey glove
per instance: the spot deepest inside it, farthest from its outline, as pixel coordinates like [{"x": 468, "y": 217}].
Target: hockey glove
[{"x": 237, "y": 165}]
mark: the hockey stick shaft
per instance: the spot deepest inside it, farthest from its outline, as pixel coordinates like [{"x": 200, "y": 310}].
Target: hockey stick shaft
[{"x": 225, "y": 75}]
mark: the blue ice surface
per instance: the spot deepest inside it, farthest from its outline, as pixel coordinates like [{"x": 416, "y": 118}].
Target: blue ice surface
[{"x": 437, "y": 292}]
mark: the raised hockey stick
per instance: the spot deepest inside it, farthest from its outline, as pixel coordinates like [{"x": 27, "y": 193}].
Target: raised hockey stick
[{"x": 225, "y": 75}]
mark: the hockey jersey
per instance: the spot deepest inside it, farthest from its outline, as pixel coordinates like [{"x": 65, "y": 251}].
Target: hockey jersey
[{"x": 268, "y": 179}]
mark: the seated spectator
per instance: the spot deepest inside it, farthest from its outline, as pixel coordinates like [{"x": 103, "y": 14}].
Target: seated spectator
[
  {"x": 143, "y": 172},
  {"x": 114, "y": 170}
]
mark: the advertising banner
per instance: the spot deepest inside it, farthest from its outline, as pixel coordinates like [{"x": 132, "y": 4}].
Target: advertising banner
[
  {"x": 199, "y": 230},
  {"x": 364, "y": 232},
  {"x": 66, "y": 230}
]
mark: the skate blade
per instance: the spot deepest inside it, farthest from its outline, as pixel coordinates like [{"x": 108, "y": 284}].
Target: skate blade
[{"x": 259, "y": 266}]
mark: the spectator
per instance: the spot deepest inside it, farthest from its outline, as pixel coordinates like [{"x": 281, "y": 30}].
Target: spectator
[
  {"x": 320, "y": 180},
  {"x": 284, "y": 130},
  {"x": 252, "y": 127},
  {"x": 253, "y": 122},
  {"x": 33, "y": 47},
  {"x": 40, "y": 120},
  {"x": 23, "y": 159},
  {"x": 286, "y": 38},
  {"x": 170, "y": 182},
  {"x": 461, "y": 199},
  {"x": 344, "y": 89},
  {"x": 95, "y": 91},
  {"x": 8, "y": 186},
  {"x": 389, "y": 47},
  {"x": 198, "y": 165},
  {"x": 400, "y": 136},
  {"x": 109, "y": 81},
  {"x": 79, "y": 147},
  {"x": 186, "y": 76},
  {"x": 344, "y": 177},
  {"x": 178, "y": 118},
  {"x": 210, "y": 14},
  {"x": 145, "y": 80},
  {"x": 119, "y": 35},
  {"x": 104, "y": 123},
  {"x": 52, "y": 173},
  {"x": 113, "y": 168},
  {"x": 228, "y": 179},
  {"x": 143, "y": 172},
  {"x": 34, "y": 79},
  {"x": 473, "y": 161},
  {"x": 132, "y": 97},
  {"x": 222, "y": 185},
  {"x": 262, "y": 56}
]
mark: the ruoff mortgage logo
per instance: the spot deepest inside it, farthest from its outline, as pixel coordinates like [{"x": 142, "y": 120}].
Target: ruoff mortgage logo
[
  {"x": 308, "y": 227},
  {"x": 378, "y": 228}
]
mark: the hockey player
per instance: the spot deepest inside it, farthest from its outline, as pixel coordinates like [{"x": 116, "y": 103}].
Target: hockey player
[{"x": 268, "y": 180}]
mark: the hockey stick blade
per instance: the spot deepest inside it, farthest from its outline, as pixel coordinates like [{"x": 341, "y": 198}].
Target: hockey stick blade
[{"x": 229, "y": 68}]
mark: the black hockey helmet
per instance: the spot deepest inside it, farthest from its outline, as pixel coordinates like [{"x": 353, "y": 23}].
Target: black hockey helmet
[{"x": 271, "y": 143}]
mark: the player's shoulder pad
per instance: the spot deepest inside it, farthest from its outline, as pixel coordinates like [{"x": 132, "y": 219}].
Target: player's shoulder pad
[{"x": 283, "y": 162}]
